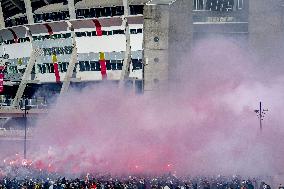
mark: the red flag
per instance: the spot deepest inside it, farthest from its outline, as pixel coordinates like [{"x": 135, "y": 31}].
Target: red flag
[
  {"x": 98, "y": 28},
  {"x": 103, "y": 65},
  {"x": 56, "y": 69},
  {"x": 2, "y": 68}
]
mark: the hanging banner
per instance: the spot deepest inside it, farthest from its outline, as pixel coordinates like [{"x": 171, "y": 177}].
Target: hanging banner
[
  {"x": 98, "y": 27},
  {"x": 20, "y": 61},
  {"x": 14, "y": 35},
  {"x": 2, "y": 68},
  {"x": 49, "y": 29},
  {"x": 56, "y": 69},
  {"x": 103, "y": 65}
]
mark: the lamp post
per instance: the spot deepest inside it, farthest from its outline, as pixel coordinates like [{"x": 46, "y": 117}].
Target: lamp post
[
  {"x": 260, "y": 114},
  {"x": 25, "y": 124}
]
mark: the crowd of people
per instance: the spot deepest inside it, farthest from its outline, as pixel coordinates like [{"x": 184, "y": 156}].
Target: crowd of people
[{"x": 24, "y": 178}]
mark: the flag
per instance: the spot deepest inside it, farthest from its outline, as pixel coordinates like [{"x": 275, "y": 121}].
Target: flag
[
  {"x": 56, "y": 69},
  {"x": 2, "y": 68},
  {"x": 103, "y": 65},
  {"x": 98, "y": 27},
  {"x": 20, "y": 61}
]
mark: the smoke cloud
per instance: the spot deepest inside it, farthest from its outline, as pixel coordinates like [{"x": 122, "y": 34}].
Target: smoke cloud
[{"x": 205, "y": 125}]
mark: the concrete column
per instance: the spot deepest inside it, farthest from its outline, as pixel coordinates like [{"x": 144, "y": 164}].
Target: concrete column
[
  {"x": 29, "y": 11},
  {"x": 126, "y": 7},
  {"x": 2, "y": 22},
  {"x": 167, "y": 38},
  {"x": 71, "y": 8}
]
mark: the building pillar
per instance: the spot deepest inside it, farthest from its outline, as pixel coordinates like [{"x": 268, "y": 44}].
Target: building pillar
[
  {"x": 2, "y": 22},
  {"x": 29, "y": 11},
  {"x": 71, "y": 8},
  {"x": 167, "y": 38}
]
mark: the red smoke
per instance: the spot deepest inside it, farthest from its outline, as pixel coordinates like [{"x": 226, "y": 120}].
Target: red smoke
[{"x": 207, "y": 125}]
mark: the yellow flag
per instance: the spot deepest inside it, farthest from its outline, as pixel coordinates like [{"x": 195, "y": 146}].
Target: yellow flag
[
  {"x": 54, "y": 58},
  {"x": 102, "y": 56},
  {"x": 20, "y": 61}
]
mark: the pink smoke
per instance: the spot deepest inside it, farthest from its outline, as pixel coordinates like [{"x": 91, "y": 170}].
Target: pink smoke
[{"x": 207, "y": 125}]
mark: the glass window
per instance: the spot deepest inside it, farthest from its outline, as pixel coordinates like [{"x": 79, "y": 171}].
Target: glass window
[
  {"x": 89, "y": 34},
  {"x": 119, "y": 10},
  {"x": 82, "y": 66},
  {"x": 95, "y": 66},
  {"x": 119, "y": 64},
  {"x": 93, "y": 12},
  {"x": 133, "y": 31},
  {"x": 108, "y": 65},
  {"x": 118, "y": 32},
  {"x": 94, "y": 33},
  {"x": 108, "y": 11},
  {"x": 87, "y": 66},
  {"x": 240, "y": 4},
  {"x": 139, "y": 30}
]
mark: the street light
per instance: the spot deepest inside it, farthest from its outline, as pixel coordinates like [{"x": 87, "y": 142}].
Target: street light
[
  {"x": 260, "y": 114},
  {"x": 25, "y": 124}
]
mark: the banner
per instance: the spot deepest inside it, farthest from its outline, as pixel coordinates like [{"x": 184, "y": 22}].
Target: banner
[
  {"x": 56, "y": 69},
  {"x": 2, "y": 68},
  {"x": 98, "y": 28},
  {"x": 103, "y": 65},
  {"x": 14, "y": 35}
]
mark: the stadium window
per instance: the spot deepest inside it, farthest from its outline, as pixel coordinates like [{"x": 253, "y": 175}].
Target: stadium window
[
  {"x": 41, "y": 68},
  {"x": 95, "y": 66},
  {"x": 105, "y": 32},
  {"x": 89, "y": 34},
  {"x": 108, "y": 11},
  {"x": 137, "y": 64},
  {"x": 50, "y": 68},
  {"x": 133, "y": 31},
  {"x": 119, "y": 10},
  {"x": 119, "y": 64},
  {"x": 67, "y": 35},
  {"x": 113, "y": 11},
  {"x": 109, "y": 33},
  {"x": 12, "y": 69},
  {"x": 63, "y": 66},
  {"x": 99, "y": 12},
  {"x": 139, "y": 30},
  {"x": 94, "y": 33},
  {"x": 82, "y": 66},
  {"x": 93, "y": 12},
  {"x": 118, "y": 32},
  {"x": 78, "y": 34},
  {"x": 198, "y": 4},
  {"x": 87, "y": 66},
  {"x": 83, "y": 34},
  {"x": 80, "y": 13},
  {"x": 108, "y": 66},
  {"x": 113, "y": 65}
]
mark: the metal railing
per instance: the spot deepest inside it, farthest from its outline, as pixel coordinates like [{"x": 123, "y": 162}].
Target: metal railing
[
  {"x": 14, "y": 133},
  {"x": 34, "y": 103}
]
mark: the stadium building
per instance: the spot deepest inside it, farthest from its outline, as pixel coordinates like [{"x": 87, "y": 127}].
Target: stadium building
[{"x": 49, "y": 45}]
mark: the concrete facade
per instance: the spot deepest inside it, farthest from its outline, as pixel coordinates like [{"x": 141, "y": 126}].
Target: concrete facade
[
  {"x": 266, "y": 29},
  {"x": 167, "y": 35}
]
